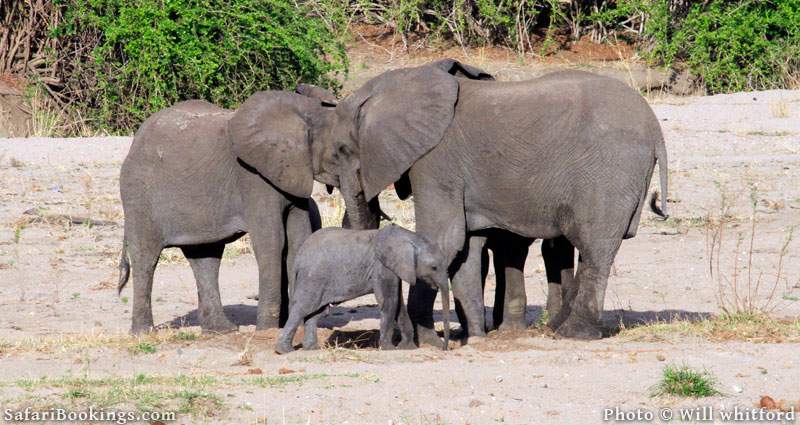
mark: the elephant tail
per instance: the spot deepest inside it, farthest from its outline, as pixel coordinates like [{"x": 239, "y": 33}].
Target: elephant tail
[
  {"x": 661, "y": 159},
  {"x": 124, "y": 267}
]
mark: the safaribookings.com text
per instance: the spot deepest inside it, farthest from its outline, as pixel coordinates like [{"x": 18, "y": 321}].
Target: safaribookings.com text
[{"x": 85, "y": 416}]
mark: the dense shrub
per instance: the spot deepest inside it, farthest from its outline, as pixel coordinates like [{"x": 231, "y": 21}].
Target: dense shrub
[
  {"x": 137, "y": 56},
  {"x": 740, "y": 45},
  {"x": 727, "y": 45}
]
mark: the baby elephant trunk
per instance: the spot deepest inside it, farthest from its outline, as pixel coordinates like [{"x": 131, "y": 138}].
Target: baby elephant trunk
[{"x": 445, "y": 288}]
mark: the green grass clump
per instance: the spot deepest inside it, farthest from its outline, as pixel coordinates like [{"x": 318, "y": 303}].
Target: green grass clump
[
  {"x": 144, "y": 348},
  {"x": 682, "y": 381}
]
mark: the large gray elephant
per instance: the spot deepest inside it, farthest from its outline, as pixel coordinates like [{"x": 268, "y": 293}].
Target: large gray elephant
[
  {"x": 193, "y": 180},
  {"x": 568, "y": 154}
]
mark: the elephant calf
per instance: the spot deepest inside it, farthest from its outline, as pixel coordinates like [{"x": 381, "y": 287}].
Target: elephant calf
[{"x": 336, "y": 265}]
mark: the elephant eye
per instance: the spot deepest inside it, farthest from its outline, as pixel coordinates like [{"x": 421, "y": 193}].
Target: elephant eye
[{"x": 435, "y": 268}]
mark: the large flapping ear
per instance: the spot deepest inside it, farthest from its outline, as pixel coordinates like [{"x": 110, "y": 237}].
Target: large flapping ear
[
  {"x": 325, "y": 96},
  {"x": 270, "y": 132},
  {"x": 399, "y": 117},
  {"x": 462, "y": 70},
  {"x": 397, "y": 252}
]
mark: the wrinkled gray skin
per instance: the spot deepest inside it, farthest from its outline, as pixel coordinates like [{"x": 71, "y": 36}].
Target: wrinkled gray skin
[
  {"x": 568, "y": 154},
  {"x": 509, "y": 252},
  {"x": 336, "y": 265},
  {"x": 192, "y": 180}
]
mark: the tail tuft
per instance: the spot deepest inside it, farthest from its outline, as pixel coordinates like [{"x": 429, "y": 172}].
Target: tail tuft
[
  {"x": 124, "y": 268},
  {"x": 655, "y": 208}
]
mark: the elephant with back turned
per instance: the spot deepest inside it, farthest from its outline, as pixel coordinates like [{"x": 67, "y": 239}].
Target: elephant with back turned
[
  {"x": 569, "y": 154},
  {"x": 191, "y": 181}
]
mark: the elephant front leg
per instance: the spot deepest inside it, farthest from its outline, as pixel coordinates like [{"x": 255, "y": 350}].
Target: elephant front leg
[
  {"x": 387, "y": 296},
  {"x": 468, "y": 288},
  {"x": 268, "y": 243}
]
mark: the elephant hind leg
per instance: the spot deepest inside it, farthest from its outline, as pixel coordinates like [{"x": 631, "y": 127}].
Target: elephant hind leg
[
  {"x": 205, "y": 261},
  {"x": 559, "y": 263},
  {"x": 144, "y": 258},
  {"x": 585, "y": 309}
]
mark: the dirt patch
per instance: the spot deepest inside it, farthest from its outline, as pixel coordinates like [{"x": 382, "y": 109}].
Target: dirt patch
[{"x": 63, "y": 329}]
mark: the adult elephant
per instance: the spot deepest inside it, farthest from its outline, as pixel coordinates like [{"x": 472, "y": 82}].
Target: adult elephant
[
  {"x": 194, "y": 180},
  {"x": 568, "y": 154}
]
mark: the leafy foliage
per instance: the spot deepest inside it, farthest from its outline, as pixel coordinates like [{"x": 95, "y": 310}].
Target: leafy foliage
[
  {"x": 728, "y": 45},
  {"x": 148, "y": 54},
  {"x": 740, "y": 45}
]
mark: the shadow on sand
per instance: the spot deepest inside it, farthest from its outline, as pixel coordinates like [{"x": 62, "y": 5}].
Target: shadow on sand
[{"x": 338, "y": 317}]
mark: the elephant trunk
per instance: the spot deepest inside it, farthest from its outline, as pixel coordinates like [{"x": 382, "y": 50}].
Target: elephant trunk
[
  {"x": 358, "y": 213},
  {"x": 445, "y": 288}
]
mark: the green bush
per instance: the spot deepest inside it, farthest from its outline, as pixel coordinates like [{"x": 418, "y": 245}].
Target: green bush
[
  {"x": 740, "y": 45},
  {"x": 149, "y": 54},
  {"x": 728, "y": 45}
]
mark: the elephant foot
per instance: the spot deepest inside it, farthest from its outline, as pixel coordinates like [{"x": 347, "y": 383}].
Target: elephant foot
[
  {"x": 513, "y": 324},
  {"x": 428, "y": 336},
  {"x": 267, "y": 323},
  {"x": 476, "y": 339},
  {"x": 141, "y": 328},
  {"x": 576, "y": 328},
  {"x": 218, "y": 325},
  {"x": 283, "y": 347},
  {"x": 553, "y": 306},
  {"x": 386, "y": 345},
  {"x": 311, "y": 346},
  {"x": 555, "y": 322},
  {"x": 406, "y": 345}
]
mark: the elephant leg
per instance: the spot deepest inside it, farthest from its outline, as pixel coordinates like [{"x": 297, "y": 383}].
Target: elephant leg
[
  {"x": 205, "y": 260},
  {"x": 468, "y": 289},
  {"x": 144, "y": 258},
  {"x": 559, "y": 263},
  {"x": 386, "y": 296},
  {"x": 404, "y": 323},
  {"x": 440, "y": 217},
  {"x": 310, "y": 331},
  {"x": 515, "y": 302},
  {"x": 268, "y": 245},
  {"x": 299, "y": 226},
  {"x": 583, "y": 320},
  {"x": 284, "y": 344}
]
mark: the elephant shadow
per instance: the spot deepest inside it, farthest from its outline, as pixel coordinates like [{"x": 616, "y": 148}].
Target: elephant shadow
[
  {"x": 616, "y": 320},
  {"x": 245, "y": 315}
]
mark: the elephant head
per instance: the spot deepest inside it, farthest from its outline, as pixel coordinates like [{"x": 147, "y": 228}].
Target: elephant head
[
  {"x": 272, "y": 133},
  {"x": 376, "y": 134},
  {"x": 412, "y": 258}
]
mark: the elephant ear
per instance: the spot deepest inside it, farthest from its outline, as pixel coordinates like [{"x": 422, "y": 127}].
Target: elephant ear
[
  {"x": 462, "y": 70},
  {"x": 325, "y": 97},
  {"x": 400, "y": 116},
  {"x": 397, "y": 253},
  {"x": 270, "y": 133}
]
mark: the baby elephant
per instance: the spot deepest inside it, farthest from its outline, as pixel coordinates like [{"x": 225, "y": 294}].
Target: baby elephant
[{"x": 335, "y": 265}]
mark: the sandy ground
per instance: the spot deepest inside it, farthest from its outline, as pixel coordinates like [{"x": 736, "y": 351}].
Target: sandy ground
[{"x": 58, "y": 302}]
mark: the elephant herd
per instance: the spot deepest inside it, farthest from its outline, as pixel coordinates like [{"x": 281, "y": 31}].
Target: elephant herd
[{"x": 566, "y": 158}]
